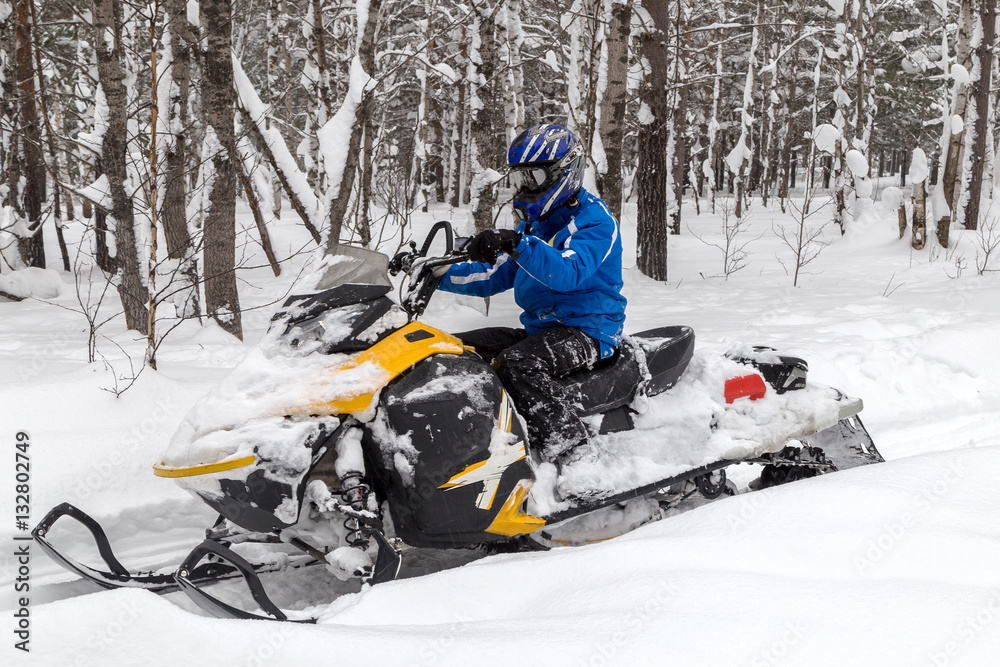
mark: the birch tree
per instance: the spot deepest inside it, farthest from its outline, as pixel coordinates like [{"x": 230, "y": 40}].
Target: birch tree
[
  {"x": 615, "y": 99},
  {"x": 486, "y": 127},
  {"x": 114, "y": 151},
  {"x": 350, "y": 120},
  {"x": 981, "y": 111}
]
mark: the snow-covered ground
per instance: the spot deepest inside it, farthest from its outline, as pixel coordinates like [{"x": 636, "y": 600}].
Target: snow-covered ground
[{"x": 894, "y": 564}]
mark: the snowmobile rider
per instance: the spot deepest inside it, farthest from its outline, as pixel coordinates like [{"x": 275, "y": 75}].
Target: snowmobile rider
[{"x": 564, "y": 262}]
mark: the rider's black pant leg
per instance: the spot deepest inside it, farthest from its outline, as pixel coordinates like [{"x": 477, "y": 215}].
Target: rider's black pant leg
[
  {"x": 530, "y": 370},
  {"x": 491, "y": 341}
]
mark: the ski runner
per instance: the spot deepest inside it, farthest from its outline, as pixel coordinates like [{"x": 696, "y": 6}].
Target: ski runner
[{"x": 564, "y": 262}]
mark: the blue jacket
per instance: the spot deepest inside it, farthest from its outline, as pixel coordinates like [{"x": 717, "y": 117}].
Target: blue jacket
[{"x": 568, "y": 273}]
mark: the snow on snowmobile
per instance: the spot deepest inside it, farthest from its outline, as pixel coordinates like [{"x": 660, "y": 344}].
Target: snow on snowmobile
[{"x": 354, "y": 430}]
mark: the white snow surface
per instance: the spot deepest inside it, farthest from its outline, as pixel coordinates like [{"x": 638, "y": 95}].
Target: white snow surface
[
  {"x": 32, "y": 281},
  {"x": 891, "y": 564}
]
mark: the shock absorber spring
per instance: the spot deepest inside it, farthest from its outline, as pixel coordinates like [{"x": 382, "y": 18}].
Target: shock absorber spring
[{"x": 354, "y": 492}]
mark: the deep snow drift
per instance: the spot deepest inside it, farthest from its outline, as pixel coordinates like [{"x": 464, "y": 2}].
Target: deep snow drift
[{"x": 890, "y": 564}]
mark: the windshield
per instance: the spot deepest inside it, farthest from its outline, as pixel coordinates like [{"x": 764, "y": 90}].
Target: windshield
[{"x": 348, "y": 265}]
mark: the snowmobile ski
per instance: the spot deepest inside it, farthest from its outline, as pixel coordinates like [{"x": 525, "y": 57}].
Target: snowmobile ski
[
  {"x": 387, "y": 565},
  {"x": 117, "y": 575}
]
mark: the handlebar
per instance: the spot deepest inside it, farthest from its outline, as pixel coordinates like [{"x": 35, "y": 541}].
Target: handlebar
[{"x": 424, "y": 279}]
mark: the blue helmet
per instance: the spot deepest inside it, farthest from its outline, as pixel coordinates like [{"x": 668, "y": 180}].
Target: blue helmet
[{"x": 545, "y": 164}]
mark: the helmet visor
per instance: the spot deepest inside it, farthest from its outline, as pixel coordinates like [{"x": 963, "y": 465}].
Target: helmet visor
[{"x": 529, "y": 180}]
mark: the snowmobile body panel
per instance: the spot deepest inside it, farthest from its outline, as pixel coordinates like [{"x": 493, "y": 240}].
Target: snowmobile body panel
[
  {"x": 448, "y": 453},
  {"x": 162, "y": 470},
  {"x": 391, "y": 356},
  {"x": 252, "y": 501}
]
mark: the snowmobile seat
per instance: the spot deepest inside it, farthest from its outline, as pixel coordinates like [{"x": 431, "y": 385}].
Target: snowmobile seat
[
  {"x": 610, "y": 384},
  {"x": 668, "y": 351}
]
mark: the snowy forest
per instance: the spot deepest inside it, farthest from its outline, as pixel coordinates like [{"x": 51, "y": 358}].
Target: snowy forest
[
  {"x": 207, "y": 352},
  {"x": 131, "y": 130}
]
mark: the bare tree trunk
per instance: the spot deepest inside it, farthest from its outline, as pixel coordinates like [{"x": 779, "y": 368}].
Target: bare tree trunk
[
  {"x": 951, "y": 182},
  {"x": 363, "y": 111},
  {"x": 840, "y": 120},
  {"x": 711, "y": 167},
  {"x": 173, "y": 213},
  {"x": 487, "y": 145},
  {"x": 981, "y": 97},
  {"x": 458, "y": 132},
  {"x": 364, "y": 223},
  {"x": 919, "y": 216},
  {"x": 316, "y": 73},
  {"x": 739, "y": 157},
  {"x": 131, "y": 289},
  {"x": 29, "y": 136},
  {"x": 679, "y": 125},
  {"x": 651, "y": 247},
  {"x": 258, "y": 214},
  {"x": 51, "y": 145},
  {"x": 614, "y": 102},
  {"x": 154, "y": 103},
  {"x": 516, "y": 33},
  {"x": 787, "y": 172},
  {"x": 222, "y": 301}
]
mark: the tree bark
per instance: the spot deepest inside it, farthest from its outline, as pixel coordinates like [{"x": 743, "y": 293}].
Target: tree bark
[
  {"x": 981, "y": 97},
  {"x": 487, "y": 145},
  {"x": 614, "y": 102},
  {"x": 51, "y": 145},
  {"x": 952, "y": 180},
  {"x": 173, "y": 212},
  {"x": 114, "y": 151},
  {"x": 787, "y": 169},
  {"x": 651, "y": 176},
  {"x": 919, "y": 216},
  {"x": 219, "y": 98},
  {"x": 679, "y": 124},
  {"x": 458, "y": 132},
  {"x": 29, "y": 136}
]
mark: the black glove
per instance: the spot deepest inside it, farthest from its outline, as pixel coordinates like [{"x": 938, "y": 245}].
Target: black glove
[{"x": 487, "y": 246}]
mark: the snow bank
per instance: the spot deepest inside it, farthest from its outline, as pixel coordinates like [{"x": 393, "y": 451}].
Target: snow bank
[
  {"x": 32, "y": 281},
  {"x": 891, "y": 564}
]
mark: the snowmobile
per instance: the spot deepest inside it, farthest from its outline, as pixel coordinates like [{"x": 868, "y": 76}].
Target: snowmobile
[{"x": 354, "y": 429}]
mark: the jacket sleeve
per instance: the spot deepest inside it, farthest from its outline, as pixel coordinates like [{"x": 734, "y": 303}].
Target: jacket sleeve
[
  {"x": 479, "y": 279},
  {"x": 565, "y": 269}
]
